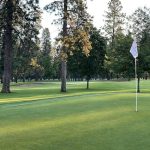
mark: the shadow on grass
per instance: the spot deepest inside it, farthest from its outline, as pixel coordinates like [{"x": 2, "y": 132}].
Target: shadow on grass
[{"x": 51, "y": 90}]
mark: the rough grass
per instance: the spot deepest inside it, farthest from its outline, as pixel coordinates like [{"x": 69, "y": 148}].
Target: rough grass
[{"x": 38, "y": 117}]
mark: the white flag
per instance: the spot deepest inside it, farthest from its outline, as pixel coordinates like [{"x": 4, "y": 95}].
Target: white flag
[{"x": 134, "y": 50}]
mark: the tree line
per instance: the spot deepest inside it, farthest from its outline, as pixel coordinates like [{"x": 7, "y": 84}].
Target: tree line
[{"x": 80, "y": 52}]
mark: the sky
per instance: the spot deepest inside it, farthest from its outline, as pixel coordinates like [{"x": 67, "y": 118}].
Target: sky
[{"x": 96, "y": 8}]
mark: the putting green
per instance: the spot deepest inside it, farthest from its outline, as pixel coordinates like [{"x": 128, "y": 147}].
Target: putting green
[{"x": 36, "y": 116}]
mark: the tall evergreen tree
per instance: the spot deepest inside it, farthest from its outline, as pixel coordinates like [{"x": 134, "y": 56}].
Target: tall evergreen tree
[
  {"x": 26, "y": 42},
  {"x": 75, "y": 28},
  {"x": 8, "y": 47},
  {"x": 114, "y": 20},
  {"x": 1, "y": 60},
  {"x": 20, "y": 32},
  {"x": 140, "y": 21},
  {"x": 1, "y": 40}
]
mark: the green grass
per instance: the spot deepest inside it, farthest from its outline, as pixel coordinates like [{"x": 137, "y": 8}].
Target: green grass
[{"x": 36, "y": 116}]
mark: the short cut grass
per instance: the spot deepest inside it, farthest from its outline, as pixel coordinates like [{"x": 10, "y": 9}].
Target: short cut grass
[{"x": 36, "y": 116}]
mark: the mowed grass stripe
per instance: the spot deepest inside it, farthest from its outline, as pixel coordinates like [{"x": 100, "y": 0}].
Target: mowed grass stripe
[{"x": 21, "y": 101}]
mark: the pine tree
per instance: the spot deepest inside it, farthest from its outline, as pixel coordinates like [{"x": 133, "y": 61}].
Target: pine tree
[
  {"x": 28, "y": 21},
  {"x": 8, "y": 47},
  {"x": 45, "y": 59},
  {"x": 114, "y": 20},
  {"x": 46, "y": 42},
  {"x": 140, "y": 22},
  {"x": 19, "y": 31},
  {"x": 75, "y": 28}
]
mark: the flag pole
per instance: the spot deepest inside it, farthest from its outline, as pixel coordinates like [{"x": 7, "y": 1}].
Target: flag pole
[
  {"x": 136, "y": 107},
  {"x": 134, "y": 53}
]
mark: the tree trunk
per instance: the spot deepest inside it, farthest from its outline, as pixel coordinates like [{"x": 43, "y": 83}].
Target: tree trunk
[
  {"x": 8, "y": 47},
  {"x": 113, "y": 34},
  {"x": 2, "y": 60},
  {"x": 23, "y": 79},
  {"x": 63, "y": 62},
  {"x": 16, "y": 79},
  {"x": 138, "y": 88},
  {"x": 63, "y": 76},
  {"x": 113, "y": 39},
  {"x": 87, "y": 84},
  {"x": 1, "y": 79}
]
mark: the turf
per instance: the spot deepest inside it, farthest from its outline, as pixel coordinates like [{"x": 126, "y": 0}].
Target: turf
[{"x": 36, "y": 116}]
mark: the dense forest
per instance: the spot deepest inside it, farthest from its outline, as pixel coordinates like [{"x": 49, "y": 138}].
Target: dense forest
[{"x": 81, "y": 52}]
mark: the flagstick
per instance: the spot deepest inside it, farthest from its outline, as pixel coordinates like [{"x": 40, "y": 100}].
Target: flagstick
[{"x": 136, "y": 86}]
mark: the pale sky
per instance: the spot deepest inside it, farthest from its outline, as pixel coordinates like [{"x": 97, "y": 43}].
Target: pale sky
[{"x": 96, "y": 8}]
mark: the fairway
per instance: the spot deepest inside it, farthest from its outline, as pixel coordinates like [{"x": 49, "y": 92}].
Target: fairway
[{"x": 36, "y": 116}]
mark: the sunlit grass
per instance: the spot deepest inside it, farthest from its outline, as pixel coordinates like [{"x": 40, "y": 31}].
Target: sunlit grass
[{"x": 102, "y": 118}]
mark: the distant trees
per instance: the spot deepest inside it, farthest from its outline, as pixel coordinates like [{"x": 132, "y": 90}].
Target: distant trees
[
  {"x": 45, "y": 59},
  {"x": 82, "y": 67},
  {"x": 46, "y": 42},
  {"x": 141, "y": 30},
  {"x": 122, "y": 63}
]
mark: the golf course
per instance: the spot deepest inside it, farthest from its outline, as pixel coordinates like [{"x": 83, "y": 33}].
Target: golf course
[
  {"x": 37, "y": 116},
  {"x": 74, "y": 75}
]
